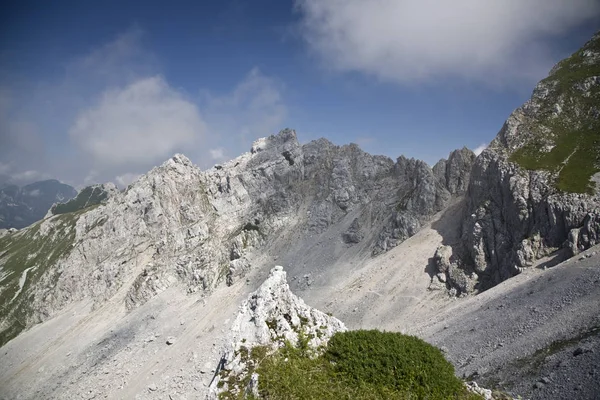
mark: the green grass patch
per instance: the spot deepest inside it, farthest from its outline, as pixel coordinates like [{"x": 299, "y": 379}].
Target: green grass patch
[
  {"x": 29, "y": 250},
  {"x": 358, "y": 365},
  {"x": 575, "y": 158}
]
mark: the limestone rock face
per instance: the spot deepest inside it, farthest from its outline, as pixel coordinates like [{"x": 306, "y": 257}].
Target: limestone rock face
[
  {"x": 532, "y": 191},
  {"x": 269, "y": 317},
  {"x": 180, "y": 225}
]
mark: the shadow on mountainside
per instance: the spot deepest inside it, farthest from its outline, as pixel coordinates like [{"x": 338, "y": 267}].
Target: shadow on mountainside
[{"x": 448, "y": 225}]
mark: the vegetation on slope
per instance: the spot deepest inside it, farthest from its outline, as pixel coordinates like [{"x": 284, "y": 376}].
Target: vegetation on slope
[
  {"x": 89, "y": 196},
  {"x": 357, "y": 365},
  {"x": 24, "y": 258},
  {"x": 566, "y": 141}
]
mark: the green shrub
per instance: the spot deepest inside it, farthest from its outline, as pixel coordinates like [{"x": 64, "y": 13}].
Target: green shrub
[{"x": 362, "y": 365}]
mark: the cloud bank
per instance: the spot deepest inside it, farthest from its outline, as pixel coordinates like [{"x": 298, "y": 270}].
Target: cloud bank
[
  {"x": 137, "y": 125},
  {"x": 408, "y": 41}
]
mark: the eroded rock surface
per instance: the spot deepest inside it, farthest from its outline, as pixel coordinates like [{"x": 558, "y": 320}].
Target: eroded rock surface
[
  {"x": 532, "y": 192},
  {"x": 178, "y": 224},
  {"x": 270, "y": 317}
]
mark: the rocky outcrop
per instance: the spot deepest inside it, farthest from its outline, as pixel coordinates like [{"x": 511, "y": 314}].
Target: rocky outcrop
[
  {"x": 422, "y": 192},
  {"x": 87, "y": 197},
  {"x": 178, "y": 224},
  {"x": 531, "y": 191},
  {"x": 455, "y": 172},
  {"x": 270, "y": 317}
]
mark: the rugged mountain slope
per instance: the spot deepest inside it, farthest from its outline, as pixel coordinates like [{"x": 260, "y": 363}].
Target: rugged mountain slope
[
  {"x": 534, "y": 190},
  {"x": 142, "y": 265},
  {"x": 20, "y": 207},
  {"x": 179, "y": 224},
  {"x": 89, "y": 196}
]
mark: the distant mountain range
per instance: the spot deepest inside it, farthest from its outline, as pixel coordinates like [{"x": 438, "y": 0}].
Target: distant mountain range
[{"x": 22, "y": 206}]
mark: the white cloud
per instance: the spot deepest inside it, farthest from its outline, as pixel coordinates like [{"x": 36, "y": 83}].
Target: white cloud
[
  {"x": 5, "y": 168},
  {"x": 217, "y": 154},
  {"x": 34, "y": 193},
  {"x": 255, "y": 107},
  {"x": 479, "y": 149},
  {"x": 118, "y": 61},
  {"x": 137, "y": 125},
  {"x": 29, "y": 176},
  {"x": 422, "y": 40},
  {"x": 126, "y": 179}
]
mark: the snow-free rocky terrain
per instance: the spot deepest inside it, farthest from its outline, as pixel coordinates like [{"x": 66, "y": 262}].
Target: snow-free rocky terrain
[{"x": 492, "y": 258}]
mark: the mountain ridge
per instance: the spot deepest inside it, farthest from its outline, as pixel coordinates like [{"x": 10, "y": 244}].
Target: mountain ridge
[{"x": 383, "y": 244}]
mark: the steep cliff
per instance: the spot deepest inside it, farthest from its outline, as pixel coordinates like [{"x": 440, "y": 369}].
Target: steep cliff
[{"x": 534, "y": 189}]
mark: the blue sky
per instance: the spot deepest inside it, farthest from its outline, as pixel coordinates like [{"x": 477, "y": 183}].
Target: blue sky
[{"x": 102, "y": 91}]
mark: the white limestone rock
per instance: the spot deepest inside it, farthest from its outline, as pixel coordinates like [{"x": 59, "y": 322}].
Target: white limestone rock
[{"x": 270, "y": 317}]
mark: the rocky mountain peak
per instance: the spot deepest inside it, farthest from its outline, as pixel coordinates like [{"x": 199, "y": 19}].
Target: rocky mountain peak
[
  {"x": 533, "y": 191},
  {"x": 180, "y": 225},
  {"x": 285, "y": 138}
]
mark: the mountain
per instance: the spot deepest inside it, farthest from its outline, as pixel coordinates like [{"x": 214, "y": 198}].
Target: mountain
[
  {"x": 136, "y": 290},
  {"x": 534, "y": 191},
  {"x": 180, "y": 224},
  {"x": 20, "y": 207}
]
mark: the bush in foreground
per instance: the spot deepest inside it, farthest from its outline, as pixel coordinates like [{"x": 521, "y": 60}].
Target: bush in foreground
[{"x": 361, "y": 365}]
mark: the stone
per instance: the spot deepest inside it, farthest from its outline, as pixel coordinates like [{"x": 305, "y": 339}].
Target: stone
[
  {"x": 516, "y": 215},
  {"x": 269, "y": 317},
  {"x": 475, "y": 388}
]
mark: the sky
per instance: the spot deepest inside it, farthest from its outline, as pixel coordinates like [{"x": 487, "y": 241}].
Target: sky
[{"x": 92, "y": 92}]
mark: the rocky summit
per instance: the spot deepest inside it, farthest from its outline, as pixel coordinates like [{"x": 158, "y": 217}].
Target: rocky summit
[{"x": 137, "y": 293}]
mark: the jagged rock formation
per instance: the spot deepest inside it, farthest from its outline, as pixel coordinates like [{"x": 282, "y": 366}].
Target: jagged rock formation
[
  {"x": 20, "y": 207},
  {"x": 533, "y": 188},
  {"x": 89, "y": 196},
  {"x": 180, "y": 224},
  {"x": 270, "y": 317}
]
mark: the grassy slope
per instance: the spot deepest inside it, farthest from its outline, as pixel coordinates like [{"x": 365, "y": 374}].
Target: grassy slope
[
  {"x": 575, "y": 132},
  {"x": 89, "y": 196},
  {"x": 24, "y": 250}
]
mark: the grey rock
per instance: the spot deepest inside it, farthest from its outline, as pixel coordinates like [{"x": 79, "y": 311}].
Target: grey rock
[
  {"x": 454, "y": 173},
  {"x": 271, "y": 316},
  {"x": 516, "y": 216},
  {"x": 442, "y": 258},
  {"x": 354, "y": 233},
  {"x": 196, "y": 227}
]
